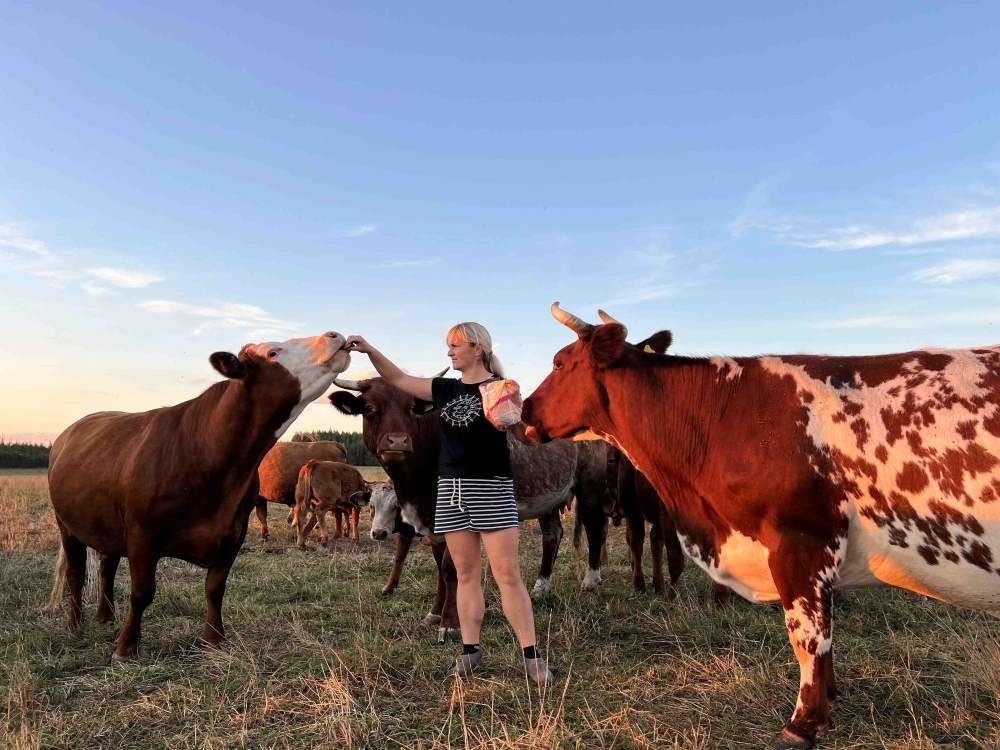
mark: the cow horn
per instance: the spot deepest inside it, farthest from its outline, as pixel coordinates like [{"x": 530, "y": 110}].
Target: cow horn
[
  {"x": 349, "y": 385},
  {"x": 570, "y": 320},
  {"x": 441, "y": 374},
  {"x": 605, "y": 318}
]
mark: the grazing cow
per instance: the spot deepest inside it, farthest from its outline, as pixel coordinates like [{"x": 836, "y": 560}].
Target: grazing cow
[
  {"x": 179, "y": 481},
  {"x": 403, "y": 433},
  {"x": 279, "y": 471},
  {"x": 791, "y": 476},
  {"x": 327, "y": 486}
]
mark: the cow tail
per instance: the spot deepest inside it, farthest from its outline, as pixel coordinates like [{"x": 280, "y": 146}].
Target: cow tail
[
  {"x": 58, "y": 592},
  {"x": 303, "y": 487},
  {"x": 58, "y": 583}
]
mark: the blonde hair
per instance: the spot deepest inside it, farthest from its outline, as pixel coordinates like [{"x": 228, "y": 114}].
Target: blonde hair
[{"x": 476, "y": 333}]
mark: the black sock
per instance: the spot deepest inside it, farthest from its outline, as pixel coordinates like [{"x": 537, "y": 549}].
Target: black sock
[
  {"x": 469, "y": 648},
  {"x": 530, "y": 652}
]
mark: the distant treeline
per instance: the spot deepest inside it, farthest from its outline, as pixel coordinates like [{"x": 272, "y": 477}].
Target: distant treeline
[
  {"x": 26, "y": 456},
  {"x": 357, "y": 454},
  {"x": 23, "y": 456}
]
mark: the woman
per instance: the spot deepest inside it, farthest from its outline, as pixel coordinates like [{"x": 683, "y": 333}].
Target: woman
[{"x": 475, "y": 507}]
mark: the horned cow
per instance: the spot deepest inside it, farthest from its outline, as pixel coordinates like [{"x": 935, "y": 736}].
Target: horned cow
[{"x": 791, "y": 476}]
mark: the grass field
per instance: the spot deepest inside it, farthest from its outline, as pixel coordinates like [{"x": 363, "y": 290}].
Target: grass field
[{"x": 317, "y": 658}]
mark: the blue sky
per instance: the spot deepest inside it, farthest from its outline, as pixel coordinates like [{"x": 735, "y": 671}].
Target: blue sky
[{"x": 758, "y": 178}]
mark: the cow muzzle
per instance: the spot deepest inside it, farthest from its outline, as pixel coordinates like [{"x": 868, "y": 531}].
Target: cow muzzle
[{"x": 395, "y": 447}]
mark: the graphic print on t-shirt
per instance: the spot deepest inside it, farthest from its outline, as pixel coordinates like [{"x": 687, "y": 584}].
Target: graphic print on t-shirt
[{"x": 462, "y": 411}]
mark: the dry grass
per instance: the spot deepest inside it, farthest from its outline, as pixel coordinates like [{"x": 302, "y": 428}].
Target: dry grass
[{"x": 317, "y": 658}]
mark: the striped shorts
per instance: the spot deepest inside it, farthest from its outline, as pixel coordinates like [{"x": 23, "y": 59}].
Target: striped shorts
[{"x": 475, "y": 504}]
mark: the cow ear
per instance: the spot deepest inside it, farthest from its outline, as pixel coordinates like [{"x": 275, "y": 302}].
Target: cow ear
[
  {"x": 657, "y": 343},
  {"x": 606, "y": 344},
  {"x": 422, "y": 407},
  {"x": 347, "y": 403},
  {"x": 229, "y": 365}
]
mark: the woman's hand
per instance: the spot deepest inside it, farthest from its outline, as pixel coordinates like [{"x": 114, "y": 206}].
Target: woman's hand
[{"x": 358, "y": 344}]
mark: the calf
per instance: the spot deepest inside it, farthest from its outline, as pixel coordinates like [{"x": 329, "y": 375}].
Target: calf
[
  {"x": 327, "y": 486},
  {"x": 279, "y": 472}
]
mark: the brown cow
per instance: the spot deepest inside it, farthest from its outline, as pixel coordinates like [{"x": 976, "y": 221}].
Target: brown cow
[
  {"x": 327, "y": 486},
  {"x": 404, "y": 434},
  {"x": 179, "y": 481},
  {"x": 791, "y": 476},
  {"x": 279, "y": 471}
]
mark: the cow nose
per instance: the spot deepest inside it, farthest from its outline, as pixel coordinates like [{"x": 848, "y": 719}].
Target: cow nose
[
  {"x": 397, "y": 441},
  {"x": 379, "y": 534}
]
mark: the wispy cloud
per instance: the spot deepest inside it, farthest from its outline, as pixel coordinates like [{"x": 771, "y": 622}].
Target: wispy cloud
[
  {"x": 958, "y": 270},
  {"x": 409, "y": 263},
  {"x": 656, "y": 270},
  {"x": 14, "y": 238},
  {"x": 95, "y": 290},
  {"x": 251, "y": 318},
  {"x": 360, "y": 231},
  {"x": 978, "y": 316},
  {"x": 973, "y": 224},
  {"x": 123, "y": 277}
]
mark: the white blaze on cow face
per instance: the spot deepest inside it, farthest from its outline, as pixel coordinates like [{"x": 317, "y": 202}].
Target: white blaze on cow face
[
  {"x": 384, "y": 507},
  {"x": 314, "y": 361},
  {"x": 919, "y": 462}
]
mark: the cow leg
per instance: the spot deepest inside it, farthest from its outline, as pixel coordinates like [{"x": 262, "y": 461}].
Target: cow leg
[
  {"x": 214, "y": 631},
  {"x": 338, "y": 523},
  {"x": 107, "y": 568},
  {"x": 260, "y": 508},
  {"x": 806, "y": 590},
  {"x": 595, "y": 524},
  {"x": 76, "y": 575},
  {"x": 142, "y": 569},
  {"x": 445, "y": 608},
  {"x": 635, "y": 536},
  {"x": 675, "y": 553},
  {"x": 656, "y": 546},
  {"x": 402, "y": 550},
  {"x": 318, "y": 518},
  {"x": 355, "y": 515},
  {"x": 552, "y": 534}
]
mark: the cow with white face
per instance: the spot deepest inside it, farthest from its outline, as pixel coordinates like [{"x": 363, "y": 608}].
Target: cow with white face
[
  {"x": 384, "y": 508},
  {"x": 179, "y": 481},
  {"x": 791, "y": 476}
]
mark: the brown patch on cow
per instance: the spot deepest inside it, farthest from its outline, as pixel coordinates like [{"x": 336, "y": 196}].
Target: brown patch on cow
[
  {"x": 852, "y": 409},
  {"x": 979, "y": 555},
  {"x": 951, "y": 556},
  {"x": 793, "y": 624},
  {"x": 992, "y": 423},
  {"x": 929, "y": 554},
  {"x": 911, "y": 478},
  {"x": 806, "y": 397},
  {"x": 860, "y": 429},
  {"x": 967, "y": 429},
  {"x": 950, "y": 468},
  {"x": 882, "y": 453},
  {"x": 839, "y": 418}
]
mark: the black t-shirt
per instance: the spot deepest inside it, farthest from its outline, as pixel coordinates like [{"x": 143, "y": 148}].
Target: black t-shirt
[{"x": 471, "y": 447}]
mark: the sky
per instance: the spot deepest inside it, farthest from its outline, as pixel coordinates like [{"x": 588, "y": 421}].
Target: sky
[{"x": 779, "y": 177}]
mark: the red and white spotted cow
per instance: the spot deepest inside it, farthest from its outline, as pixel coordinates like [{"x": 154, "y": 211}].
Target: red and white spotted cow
[{"x": 798, "y": 475}]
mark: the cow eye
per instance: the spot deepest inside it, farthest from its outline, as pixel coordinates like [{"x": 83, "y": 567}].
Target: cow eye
[
  {"x": 421, "y": 407},
  {"x": 272, "y": 354},
  {"x": 556, "y": 364}
]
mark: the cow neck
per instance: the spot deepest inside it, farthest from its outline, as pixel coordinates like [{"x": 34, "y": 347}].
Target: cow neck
[
  {"x": 233, "y": 423},
  {"x": 678, "y": 428}
]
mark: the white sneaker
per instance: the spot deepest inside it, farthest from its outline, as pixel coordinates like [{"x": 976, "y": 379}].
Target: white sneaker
[
  {"x": 465, "y": 664},
  {"x": 539, "y": 671}
]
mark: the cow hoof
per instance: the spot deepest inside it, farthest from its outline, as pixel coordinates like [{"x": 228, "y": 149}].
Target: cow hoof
[
  {"x": 591, "y": 580},
  {"x": 788, "y": 740},
  {"x": 124, "y": 658},
  {"x": 386, "y": 590},
  {"x": 431, "y": 619},
  {"x": 542, "y": 587},
  {"x": 448, "y": 634}
]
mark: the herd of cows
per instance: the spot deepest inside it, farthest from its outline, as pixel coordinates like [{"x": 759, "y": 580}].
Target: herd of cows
[{"x": 784, "y": 477}]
